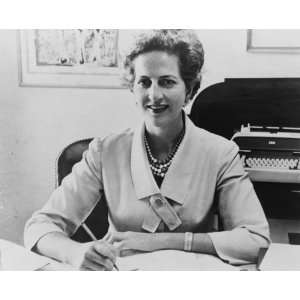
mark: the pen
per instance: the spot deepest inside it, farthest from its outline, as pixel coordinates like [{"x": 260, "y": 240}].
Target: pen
[{"x": 92, "y": 236}]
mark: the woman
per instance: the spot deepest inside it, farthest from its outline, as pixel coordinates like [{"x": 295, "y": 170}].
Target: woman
[{"x": 163, "y": 182}]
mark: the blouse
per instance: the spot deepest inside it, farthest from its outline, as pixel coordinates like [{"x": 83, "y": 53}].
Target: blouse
[{"x": 206, "y": 177}]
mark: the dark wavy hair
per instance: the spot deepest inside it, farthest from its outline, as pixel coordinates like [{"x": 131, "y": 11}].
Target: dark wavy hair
[{"x": 180, "y": 42}]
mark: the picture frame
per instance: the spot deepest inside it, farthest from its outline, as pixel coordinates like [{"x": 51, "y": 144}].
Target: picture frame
[
  {"x": 59, "y": 58},
  {"x": 273, "y": 41}
]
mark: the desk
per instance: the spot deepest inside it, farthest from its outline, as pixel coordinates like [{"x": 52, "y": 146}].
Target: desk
[
  {"x": 16, "y": 257},
  {"x": 174, "y": 260},
  {"x": 56, "y": 266}
]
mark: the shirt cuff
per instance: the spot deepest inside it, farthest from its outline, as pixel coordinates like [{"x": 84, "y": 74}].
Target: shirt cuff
[
  {"x": 35, "y": 232},
  {"x": 237, "y": 246}
]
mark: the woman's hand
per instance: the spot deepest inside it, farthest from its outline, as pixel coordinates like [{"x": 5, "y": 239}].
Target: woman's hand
[
  {"x": 130, "y": 242},
  {"x": 98, "y": 255}
]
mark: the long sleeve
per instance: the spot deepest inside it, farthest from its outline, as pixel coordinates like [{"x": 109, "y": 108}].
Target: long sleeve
[
  {"x": 245, "y": 226},
  {"x": 71, "y": 203}
]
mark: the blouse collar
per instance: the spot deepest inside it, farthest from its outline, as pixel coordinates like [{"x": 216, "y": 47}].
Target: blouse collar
[{"x": 178, "y": 178}]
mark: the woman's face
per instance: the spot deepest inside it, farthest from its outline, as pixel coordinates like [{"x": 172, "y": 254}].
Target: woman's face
[{"x": 159, "y": 89}]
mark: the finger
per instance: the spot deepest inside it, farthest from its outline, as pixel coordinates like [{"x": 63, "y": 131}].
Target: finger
[
  {"x": 120, "y": 246},
  {"x": 90, "y": 266},
  {"x": 116, "y": 236},
  {"x": 112, "y": 248},
  {"x": 95, "y": 261},
  {"x": 129, "y": 252},
  {"x": 107, "y": 236},
  {"x": 124, "y": 250},
  {"x": 83, "y": 268},
  {"x": 105, "y": 249}
]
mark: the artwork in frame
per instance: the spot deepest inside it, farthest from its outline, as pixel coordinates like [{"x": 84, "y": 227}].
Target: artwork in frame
[
  {"x": 87, "y": 58},
  {"x": 273, "y": 40}
]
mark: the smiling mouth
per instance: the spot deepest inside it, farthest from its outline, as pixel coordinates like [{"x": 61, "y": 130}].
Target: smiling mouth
[{"x": 157, "y": 108}]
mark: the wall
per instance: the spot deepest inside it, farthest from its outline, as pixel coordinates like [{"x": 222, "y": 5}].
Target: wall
[{"x": 36, "y": 123}]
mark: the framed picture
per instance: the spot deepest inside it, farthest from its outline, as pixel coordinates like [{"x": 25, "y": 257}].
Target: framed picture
[
  {"x": 273, "y": 40},
  {"x": 76, "y": 58}
]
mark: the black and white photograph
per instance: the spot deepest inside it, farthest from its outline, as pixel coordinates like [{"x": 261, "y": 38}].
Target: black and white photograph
[
  {"x": 163, "y": 149},
  {"x": 148, "y": 150}
]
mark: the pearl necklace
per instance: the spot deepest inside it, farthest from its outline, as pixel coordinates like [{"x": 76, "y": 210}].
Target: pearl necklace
[{"x": 160, "y": 167}]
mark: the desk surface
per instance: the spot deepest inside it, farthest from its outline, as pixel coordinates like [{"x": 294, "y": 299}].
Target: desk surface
[
  {"x": 16, "y": 257},
  {"x": 142, "y": 262},
  {"x": 56, "y": 266},
  {"x": 174, "y": 260}
]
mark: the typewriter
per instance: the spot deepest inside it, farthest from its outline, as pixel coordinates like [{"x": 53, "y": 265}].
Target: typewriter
[{"x": 270, "y": 154}]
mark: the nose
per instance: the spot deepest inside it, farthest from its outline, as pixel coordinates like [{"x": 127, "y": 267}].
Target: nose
[{"x": 155, "y": 92}]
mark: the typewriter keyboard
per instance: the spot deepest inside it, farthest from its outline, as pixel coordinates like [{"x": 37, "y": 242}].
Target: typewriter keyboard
[{"x": 290, "y": 163}]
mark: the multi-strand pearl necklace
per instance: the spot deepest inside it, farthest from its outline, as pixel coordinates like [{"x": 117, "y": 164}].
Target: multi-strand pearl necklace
[{"x": 160, "y": 167}]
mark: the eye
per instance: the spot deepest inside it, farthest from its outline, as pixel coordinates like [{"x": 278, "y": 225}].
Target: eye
[
  {"x": 167, "y": 82},
  {"x": 144, "y": 82}
]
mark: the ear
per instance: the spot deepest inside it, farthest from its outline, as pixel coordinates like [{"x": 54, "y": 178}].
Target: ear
[
  {"x": 193, "y": 88},
  {"x": 189, "y": 92}
]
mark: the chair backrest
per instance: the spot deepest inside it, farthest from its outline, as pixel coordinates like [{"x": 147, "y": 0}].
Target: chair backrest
[{"x": 97, "y": 221}]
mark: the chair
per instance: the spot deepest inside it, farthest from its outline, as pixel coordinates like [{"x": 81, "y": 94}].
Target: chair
[{"x": 97, "y": 221}]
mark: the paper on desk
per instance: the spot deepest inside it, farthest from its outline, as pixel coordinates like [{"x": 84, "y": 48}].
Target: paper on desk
[
  {"x": 17, "y": 258},
  {"x": 281, "y": 257},
  {"x": 172, "y": 260}
]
